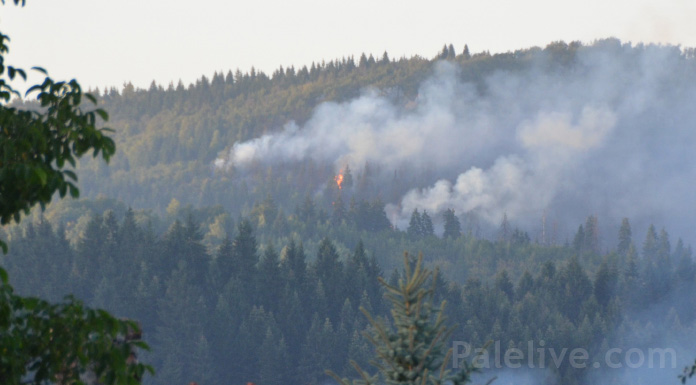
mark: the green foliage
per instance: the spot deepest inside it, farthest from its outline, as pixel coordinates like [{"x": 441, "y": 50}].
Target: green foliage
[
  {"x": 413, "y": 350},
  {"x": 35, "y": 145},
  {"x": 41, "y": 343},
  {"x": 507, "y": 291}
]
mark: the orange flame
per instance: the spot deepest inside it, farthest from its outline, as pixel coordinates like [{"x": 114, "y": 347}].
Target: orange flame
[{"x": 339, "y": 180}]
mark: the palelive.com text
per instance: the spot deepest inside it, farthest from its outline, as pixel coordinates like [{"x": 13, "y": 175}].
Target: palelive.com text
[{"x": 537, "y": 355}]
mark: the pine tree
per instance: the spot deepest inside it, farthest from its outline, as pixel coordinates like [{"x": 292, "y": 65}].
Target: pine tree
[
  {"x": 378, "y": 220},
  {"x": 363, "y": 61},
  {"x": 385, "y": 57},
  {"x": 504, "y": 284},
  {"x": 270, "y": 284},
  {"x": 339, "y": 210},
  {"x": 201, "y": 362},
  {"x": 579, "y": 240},
  {"x": 171, "y": 253},
  {"x": 427, "y": 229},
  {"x": 273, "y": 359},
  {"x": 194, "y": 253},
  {"x": 414, "y": 225},
  {"x": 329, "y": 270},
  {"x": 504, "y": 232},
  {"x": 624, "y": 237},
  {"x": 466, "y": 54},
  {"x": 453, "y": 229},
  {"x": 591, "y": 241},
  {"x": 605, "y": 284},
  {"x": 575, "y": 288},
  {"x": 525, "y": 285},
  {"x": 686, "y": 270},
  {"x": 650, "y": 245},
  {"x": 294, "y": 264},
  {"x": 224, "y": 267},
  {"x": 630, "y": 280},
  {"x": 244, "y": 252},
  {"x": 316, "y": 352},
  {"x": 413, "y": 351},
  {"x": 444, "y": 53},
  {"x": 347, "y": 178}
]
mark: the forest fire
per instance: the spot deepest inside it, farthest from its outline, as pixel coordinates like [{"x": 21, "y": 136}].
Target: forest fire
[{"x": 339, "y": 180}]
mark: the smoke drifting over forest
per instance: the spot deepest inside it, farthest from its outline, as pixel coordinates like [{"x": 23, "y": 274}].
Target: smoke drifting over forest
[{"x": 609, "y": 133}]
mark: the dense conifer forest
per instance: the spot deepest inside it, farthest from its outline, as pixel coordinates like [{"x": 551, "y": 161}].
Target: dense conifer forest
[{"x": 257, "y": 273}]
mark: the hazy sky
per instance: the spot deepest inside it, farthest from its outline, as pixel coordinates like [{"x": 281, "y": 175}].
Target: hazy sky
[{"x": 107, "y": 42}]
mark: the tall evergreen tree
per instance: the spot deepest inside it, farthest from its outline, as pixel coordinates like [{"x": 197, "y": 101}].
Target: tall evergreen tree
[
  {"x": 575, "y": 288},
  {"x": 270, "y": 284},
  {"x": 339, "y": 210},
  {"x": 244, "y": 253},
  {"x": 686, "y": 269},
  {"x": 415, "y": 225},
  {"x": 453, "y": 228},
  {"x": 294, "y": 264},
  {"x": 195, "y": 253},
  {"x": 329, "y": 270},
  {"x": 224, "y": 266},
  {"x": 579, "y": 240},
  {"x": 505, "y": 230},
  {"x": 317, "y": 352},
  {"x": 650, "y": 245},
  {"x": 466, "y": 54},
  {"x": 504, "y": 284},
  {"x": 273, "y": 359},
  {"x": 347, "y": 177},
  {"x": 413, "y": 351},
  {"x": 605, "y": 284},
  {"x": 591, "y": 241},
  {"x": 427, "y": 229},
  {"x": 624, "y": 237}
]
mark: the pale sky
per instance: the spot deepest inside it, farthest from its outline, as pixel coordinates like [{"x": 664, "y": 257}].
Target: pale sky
[{"x": 107, "y": 42}]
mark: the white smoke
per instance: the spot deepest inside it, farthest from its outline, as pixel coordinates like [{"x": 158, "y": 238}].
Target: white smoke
[
  {"x": 611, "y": 135},
  {"x": 517, "y": 184},
  {"x": 371, "y": 128}
]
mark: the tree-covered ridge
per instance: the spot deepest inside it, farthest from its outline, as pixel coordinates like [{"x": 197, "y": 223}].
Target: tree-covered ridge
[
  {"x": 169, "y": 136},
  {"x": 260, "y": 311}
]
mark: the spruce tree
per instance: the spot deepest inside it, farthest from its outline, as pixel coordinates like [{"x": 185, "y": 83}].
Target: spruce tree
[
  {"x": 624, "y": 237},
  {"x": 414, "y": 225},
  {"x": 244, "y": 252},
  {"x": 504, "y": 231},
  {"x": 579, "y": 240},
  {"x": 591, "y": 241},
  {"x": 347, "y": 177},
  {"x": 466, "y": 54},
  {"x": 427, "y": 229},
  {"x": 269, "y": 281},
  {"x": 453, "y": 229},
  {"x": 650, "y": 245},
  {"x": 413, "y": 349},
  {"x": 339, "y": 210}
]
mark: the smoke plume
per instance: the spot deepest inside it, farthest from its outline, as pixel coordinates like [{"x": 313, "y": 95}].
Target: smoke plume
[{"x": 610, "y": 133}]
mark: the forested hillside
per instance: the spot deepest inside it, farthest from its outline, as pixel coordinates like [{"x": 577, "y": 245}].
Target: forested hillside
[
  {"x": 407, "y": 128},
  {"x": 275, "y": 312},
  {"x": 245, "y": 218}
]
